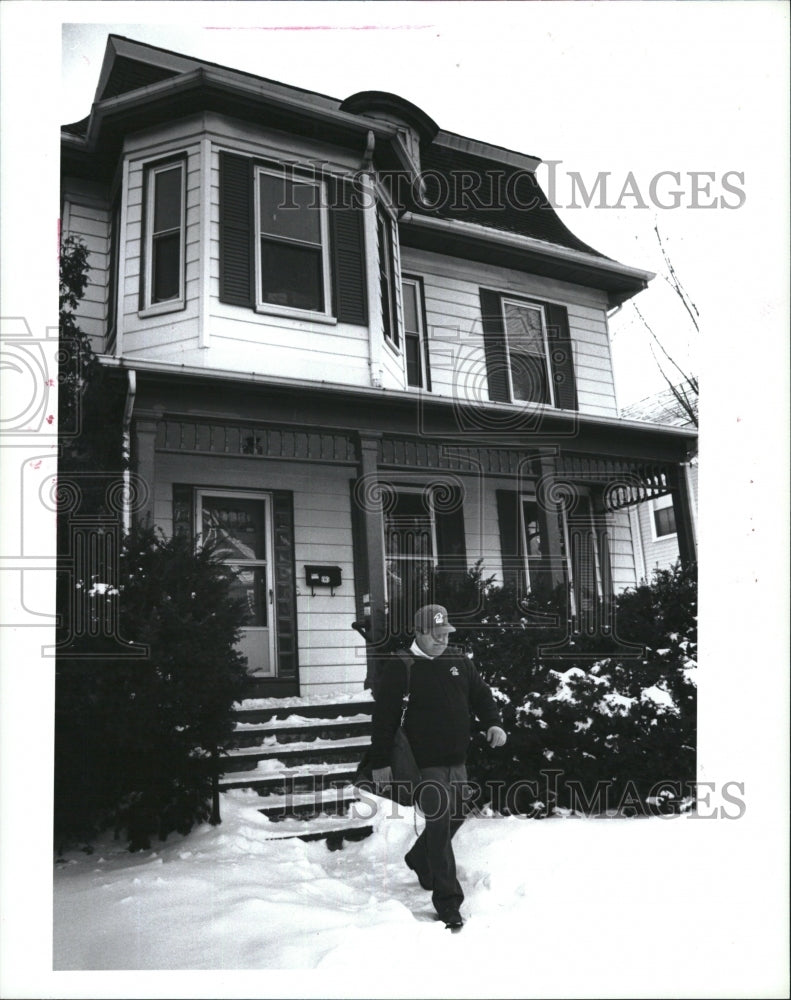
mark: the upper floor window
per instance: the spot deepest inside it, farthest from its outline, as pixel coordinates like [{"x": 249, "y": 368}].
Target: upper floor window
[
  {"x": 528, "y": 351},
  {"x": 384, "y": 231},
  {"x": 415, "y": 346},
  {"x": 163, "y": 274},
  {"x": 528, "y": 357},
  {"x": 291, "y": 242}
]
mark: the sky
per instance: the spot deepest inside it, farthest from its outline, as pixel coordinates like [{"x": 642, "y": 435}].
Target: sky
[{"x": 631, "y": 89}]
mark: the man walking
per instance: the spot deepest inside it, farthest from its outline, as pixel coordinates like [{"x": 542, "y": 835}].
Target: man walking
[{"x": 445, "y": 688}]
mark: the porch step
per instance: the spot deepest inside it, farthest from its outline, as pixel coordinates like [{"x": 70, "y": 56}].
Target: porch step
[
  {"x": 252, "y": 759},
  {"x": 300, "y": 756},
  {"x": 298, "y": 728}
]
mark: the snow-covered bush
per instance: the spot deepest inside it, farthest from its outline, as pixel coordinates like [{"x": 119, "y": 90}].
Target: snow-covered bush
[
  {"x": 593, "y": 729},
  {"x": 133, "y": 736}
]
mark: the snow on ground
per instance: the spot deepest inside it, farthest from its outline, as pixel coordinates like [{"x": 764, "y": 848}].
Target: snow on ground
[{"x": 227, "y": 898}]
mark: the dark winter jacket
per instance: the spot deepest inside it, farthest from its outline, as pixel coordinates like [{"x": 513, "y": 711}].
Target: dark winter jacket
[{"x": 443, "y": 692}]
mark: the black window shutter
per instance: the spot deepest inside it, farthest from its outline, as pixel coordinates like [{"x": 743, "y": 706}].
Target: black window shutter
[
  {"x": 508, "y": 514},
  {"x": 347, "y": 253},
  {"x": 285, "y": 612},
  {"x": 236, "y": 230},
  {"x": 494, "y": 346},
  {"x": 451, "y": 548},
  {"x": 183, "y": 511},
  {"x": 562, "y": 356}
]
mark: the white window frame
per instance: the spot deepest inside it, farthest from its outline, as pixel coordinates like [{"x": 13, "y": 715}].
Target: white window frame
[
  {"x": 421, "y": 332},
  {"x": 525, "y": 304},
  {"x": 433, "y": 515},
  {"x": 151, "y": 170},
  {"x": 325, "y": 314},
  {"x": 660, "y": 503}
]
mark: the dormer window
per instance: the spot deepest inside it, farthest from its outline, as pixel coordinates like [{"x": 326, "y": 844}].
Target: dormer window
[
  {"x": 163, "y": 273},
  {"x": 291, "y": 242}
]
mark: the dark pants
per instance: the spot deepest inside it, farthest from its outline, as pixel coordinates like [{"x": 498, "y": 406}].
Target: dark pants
[{"x": 441, "y": 800}]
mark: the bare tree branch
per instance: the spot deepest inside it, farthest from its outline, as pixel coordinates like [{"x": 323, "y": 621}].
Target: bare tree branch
[{"x": 675, "y": 283}]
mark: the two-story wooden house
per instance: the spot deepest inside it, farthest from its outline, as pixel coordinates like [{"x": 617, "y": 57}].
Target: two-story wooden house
[{"x": 358, "y": 349}]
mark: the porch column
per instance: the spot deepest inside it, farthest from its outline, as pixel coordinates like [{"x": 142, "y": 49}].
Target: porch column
[
  {"x": 551, "y": 542},
  {"x": 144, "y": 433},
  {"x": 370, "y": 512},
  {"x": 684, "y": 514}
]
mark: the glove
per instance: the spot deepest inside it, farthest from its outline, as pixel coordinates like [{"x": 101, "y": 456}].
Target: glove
[
  {"x": 382, "y": 775},
  {"x": 495, "y": 736}
]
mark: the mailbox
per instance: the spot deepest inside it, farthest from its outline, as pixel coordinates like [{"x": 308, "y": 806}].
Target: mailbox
[{"x": 323, "y": 576}]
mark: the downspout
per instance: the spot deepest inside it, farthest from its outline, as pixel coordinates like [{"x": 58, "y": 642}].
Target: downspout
[{"x": 126, "y": 449}]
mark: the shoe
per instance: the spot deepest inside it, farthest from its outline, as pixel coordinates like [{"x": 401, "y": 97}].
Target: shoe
[
  {"x": 424, "y": 885},
  {"x": 453, "y": 921}
]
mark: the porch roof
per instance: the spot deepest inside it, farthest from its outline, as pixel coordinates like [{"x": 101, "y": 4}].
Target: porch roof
[{"x": 251, "y": 396}]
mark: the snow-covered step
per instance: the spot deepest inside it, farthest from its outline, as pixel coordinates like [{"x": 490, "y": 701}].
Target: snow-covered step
[
  {"x": 300, "y": 755},
  {"x": 293, "y": 754},
  {"x": 334, "y": 829},
  {"x": 324, "y": 801},
  {"x": 298, "y": 728},
  {"x": 317, "y": 706},
  {"x": 281, "y": 780}
]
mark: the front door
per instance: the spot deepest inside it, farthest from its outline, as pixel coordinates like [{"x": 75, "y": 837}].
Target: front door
[{"x": 239, "y": 525}]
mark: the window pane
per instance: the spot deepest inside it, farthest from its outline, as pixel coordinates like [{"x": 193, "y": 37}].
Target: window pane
[
  {"x": 292, "y": 276},
  {"x": 529, "y": 377},
  {"x": 523, "y": 326},
  {"x": 411, "y": 323},
  {"x": 413, "y": 373},
  {"x": 408, "y": 527},
  {"x": 166, "y": 267},
  {"x": 290, "y": 209},
  {"x": 665, "y": 521},
  {"x": 167, "y": 199},
  {"x": 532, "y": 530},
  {"x": 236, "y": 526}
]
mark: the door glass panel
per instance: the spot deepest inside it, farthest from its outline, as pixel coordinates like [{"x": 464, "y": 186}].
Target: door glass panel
[
  {"x": 236, "y": 526},
  {"x": 250, "y": 587}
]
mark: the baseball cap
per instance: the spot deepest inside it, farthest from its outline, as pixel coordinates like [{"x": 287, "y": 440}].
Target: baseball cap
[{"x": 432, "y": 618}]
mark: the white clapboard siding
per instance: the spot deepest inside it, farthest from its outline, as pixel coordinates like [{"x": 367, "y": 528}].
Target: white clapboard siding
[
  {"x": 624, "y": 572},
  {"x": 453, "y": 312},
  {"x": 87, "y": 216},
  {"x": 330, "y": 651}
]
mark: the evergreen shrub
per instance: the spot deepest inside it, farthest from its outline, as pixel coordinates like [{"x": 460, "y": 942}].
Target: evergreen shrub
[
  {"x": 600, "y": 723},
  {"x": 134, "y": 737}
]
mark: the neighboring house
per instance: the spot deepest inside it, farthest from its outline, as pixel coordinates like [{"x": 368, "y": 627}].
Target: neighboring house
[
  {"x": 358, "y": 350},
  {"x": 653, "y": 522}
]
